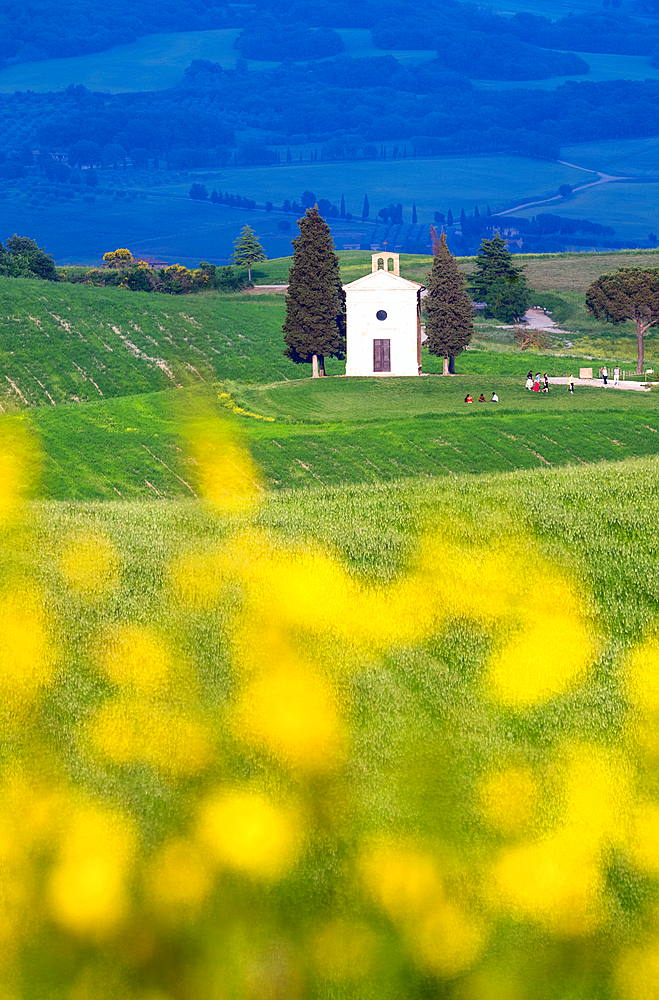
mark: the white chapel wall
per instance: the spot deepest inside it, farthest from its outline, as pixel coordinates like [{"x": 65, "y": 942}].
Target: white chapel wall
[{"x": 399, "y": 327}]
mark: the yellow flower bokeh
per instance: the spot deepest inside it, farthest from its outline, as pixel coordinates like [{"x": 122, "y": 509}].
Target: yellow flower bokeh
[
  {"x": 407, "y": 884},
  {"x": 246, "y": 832},
  {"x": 90, "y": 565},
  {"x": 227, "y": 477},
  {"x": 179, "y": 879},
  {"x": 87, "y": 888},
  {"x": 131, "y": 731},
  {"x": 291, "y": 711},
  {"x": 135, "y": 656},
  {"x": 27, "y": 658},
  {"x": 509, "y": 799},
  {"x": 19, "y": 462}
]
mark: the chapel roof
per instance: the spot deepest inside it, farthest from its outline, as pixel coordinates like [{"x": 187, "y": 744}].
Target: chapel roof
[{"x": 383, "y": 279}]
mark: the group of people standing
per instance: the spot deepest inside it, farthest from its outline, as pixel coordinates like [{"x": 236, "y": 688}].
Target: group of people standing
[
  {"x": 604, "y": 374},
  {"x": 533, "y": 383}
]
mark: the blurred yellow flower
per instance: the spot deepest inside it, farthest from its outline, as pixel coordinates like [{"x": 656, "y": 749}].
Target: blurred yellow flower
[
  {"x": 87, "y": 890},
  {"x": 644, "y": 839},
  {"x": 407, "y": 884},
  {"x": 129, "y": 731},
  {"x": 26, "y": 654},
  {"x": 228, "y": 479},
  {"x": 244, "y": 831},
  {"x": 637, "y": 972},
  {"x": 90, "y": 565},
  {"x": 291, "y": 712},
  {"x": 19, "y": 464},
  {"x": 556, "y": 882},
  {"x": 551, "y": 649},
  {"x": 508, "y": 799},
  {"x": 597, "y": 793},
  {"x": 135, "y": 656}
]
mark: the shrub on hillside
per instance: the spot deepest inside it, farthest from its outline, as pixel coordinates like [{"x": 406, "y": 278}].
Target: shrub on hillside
[{"x": 22, "y": 258}]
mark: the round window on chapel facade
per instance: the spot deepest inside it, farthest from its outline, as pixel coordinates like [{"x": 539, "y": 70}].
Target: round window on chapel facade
[{"x": 381, "y": 314}]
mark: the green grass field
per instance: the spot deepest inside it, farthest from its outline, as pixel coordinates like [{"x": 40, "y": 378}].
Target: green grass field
[
  {"x": 338, "y": 431},
  {"x": 356, "y": 726}
]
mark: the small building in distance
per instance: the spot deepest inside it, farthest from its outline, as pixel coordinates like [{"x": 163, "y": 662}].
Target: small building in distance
[{"x": 383, "y": 321}]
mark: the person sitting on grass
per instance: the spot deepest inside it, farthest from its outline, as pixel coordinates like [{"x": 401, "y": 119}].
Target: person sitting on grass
[
  {"x": 481, "y": 398},
  {"x": 495, "y": 398},
  {"x": 469, "y": 398},
  {"x": 546, "y": 381}
]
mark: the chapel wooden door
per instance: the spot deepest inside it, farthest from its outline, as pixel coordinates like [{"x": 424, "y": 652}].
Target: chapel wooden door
[{"x": 381, "y": 355}]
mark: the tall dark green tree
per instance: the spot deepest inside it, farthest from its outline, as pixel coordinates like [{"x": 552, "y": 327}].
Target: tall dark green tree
[
  {"x": 498, "y": 282},
  {"x": 449, "y": 309},
  {"x": 315, "y": 301},
  {"x": 248, "y": 250},
  {"x": 628, "y": 293},
  {"x": 366, "y": 209}
]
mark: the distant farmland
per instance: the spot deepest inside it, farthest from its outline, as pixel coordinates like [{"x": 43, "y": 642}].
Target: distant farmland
[{"x": 170, "y": 225}]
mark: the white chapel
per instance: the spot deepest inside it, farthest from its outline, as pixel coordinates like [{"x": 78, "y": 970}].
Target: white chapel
[{"x": 383, "y": 321}]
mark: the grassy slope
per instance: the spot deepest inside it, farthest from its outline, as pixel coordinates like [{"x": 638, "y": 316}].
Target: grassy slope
[
  {"x": 80, "y": 343},
  {"x": 339, "y": 431}
]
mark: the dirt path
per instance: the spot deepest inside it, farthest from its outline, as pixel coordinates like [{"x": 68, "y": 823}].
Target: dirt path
[{"x": 601, "y": 179}]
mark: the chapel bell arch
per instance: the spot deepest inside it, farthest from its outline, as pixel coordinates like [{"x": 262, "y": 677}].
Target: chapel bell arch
[{"x": 384, "y": 261}]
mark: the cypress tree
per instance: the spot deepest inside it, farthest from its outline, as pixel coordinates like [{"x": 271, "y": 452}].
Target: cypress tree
[
  {"x": 413, "y": 213},
  {"x": 498, "y": 282},
  {"x": 315, "y": 301},
  {"x": 366, "y": 209},
  {"x": 449, "y": 310},
  {"x": 477, "y": 214},
  {"x": 463, "y": 217},
  {"x": 449, "y": 218},
  {"x": 343, "y": 207},
  {"x": 248, "y": 250}
]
